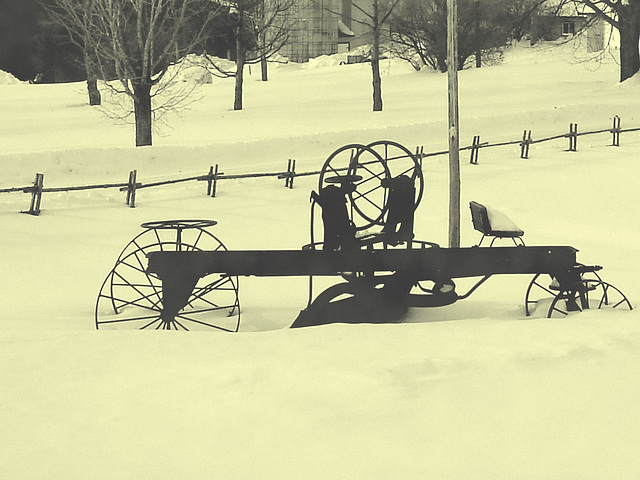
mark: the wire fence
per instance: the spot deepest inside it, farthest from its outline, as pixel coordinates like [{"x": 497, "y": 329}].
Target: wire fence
[{"x": 214, "y": 175}]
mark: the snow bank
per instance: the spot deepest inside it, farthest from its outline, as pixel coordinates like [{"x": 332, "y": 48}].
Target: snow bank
[
  {"x": 7, "y": 79},
  {"x": 191, "y": 69},
  {"x": 324, "y": 61}
]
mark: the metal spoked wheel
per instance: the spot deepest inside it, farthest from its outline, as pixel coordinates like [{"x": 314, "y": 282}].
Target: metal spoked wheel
[
  {"x": 592, "y": 293},
  {"x": 597, "y": 294},
  {"x": 401, "y": 161},
  {"x": 364, "y": 169},
  {"x": 130, "y": 297}
]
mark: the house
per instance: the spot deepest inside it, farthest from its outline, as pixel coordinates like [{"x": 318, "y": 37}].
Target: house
[{"x": 555, "y": 27}]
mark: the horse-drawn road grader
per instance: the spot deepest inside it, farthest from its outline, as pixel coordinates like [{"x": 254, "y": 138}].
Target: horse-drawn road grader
[{"x": 177, "y": 275}]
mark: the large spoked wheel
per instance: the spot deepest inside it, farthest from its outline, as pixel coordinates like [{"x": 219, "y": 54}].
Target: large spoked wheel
[
  {"x": 592, "y": 293},
  {"x": 130, "y": 297},
  {"x": 362, "y": 168},
  {"x": 401, "y": 161}
]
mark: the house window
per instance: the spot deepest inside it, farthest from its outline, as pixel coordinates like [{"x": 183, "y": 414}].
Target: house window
[{"x": 568, "y": 28}]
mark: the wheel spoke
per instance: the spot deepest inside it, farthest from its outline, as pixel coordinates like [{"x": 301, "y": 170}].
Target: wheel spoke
[
  {"x": 374, "y": 175},
  {"x": 623, "y": 298},
  {"x": 370, "y": 202},
  {"x": 142, "y": 296},
  {"x": 371, "y": 190},
  {"x": 139, "y": 285},
  {"x": 133, "y": 267},
  {"x": 140, "y": 263},
  {"x": 604, "y": 300},
  {"x": 135, "y": 302},
  {"x": 157, "y": 235},
  {"x": 151, "y": 323},
  {"x": 338, "y": 170},
  {"x": 195, "y": 244},
  {"x": 550, "y": 292},
  {"x": 213, "y": 308},
  {"x": 132, "y": 319},
  {"x": 556, "y": 309},
  {"x": 199, "y": 292},
  {"x": 199, "y": 322}
]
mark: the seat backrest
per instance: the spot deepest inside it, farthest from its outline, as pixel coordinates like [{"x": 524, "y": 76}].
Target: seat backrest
[{"x": 480, "y": 218}]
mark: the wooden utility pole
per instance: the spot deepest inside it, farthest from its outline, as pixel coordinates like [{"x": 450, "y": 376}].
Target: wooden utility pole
[
  {"x": 454, "y": 142},
  {"x": 477, "y": 35}
]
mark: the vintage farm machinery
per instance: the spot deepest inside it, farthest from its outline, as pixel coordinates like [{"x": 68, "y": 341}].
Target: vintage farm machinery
[{"x": 177, "y": 275}]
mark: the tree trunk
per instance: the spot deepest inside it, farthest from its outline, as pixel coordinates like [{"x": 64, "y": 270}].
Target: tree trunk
[
  {"x": 240, "y": 61},
  {"x": 375, "y": 70},
  {"x": 263, "y": 59},
  {"x": 377, "y": 85},
  {"x": 629, "y": 28},
  {"x": 92, "y": 80},
  {"x": 142, "y": 111},
  {"x": 264, "y": 69},
  {"x": 94, "y": 94}
]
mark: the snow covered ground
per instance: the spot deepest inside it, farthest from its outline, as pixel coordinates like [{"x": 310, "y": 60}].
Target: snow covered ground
[{"x": 476, "y": 390}]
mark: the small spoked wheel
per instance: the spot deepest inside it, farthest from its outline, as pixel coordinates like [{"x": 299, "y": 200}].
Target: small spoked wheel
[
  {"x": 363, "y": 169},
  {"x": 592, "y": 293},
  {"x": 595, "y": 294},
  {"x": 131, "y": 297}
]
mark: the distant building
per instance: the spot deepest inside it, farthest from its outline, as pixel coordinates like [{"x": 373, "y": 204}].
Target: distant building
[
  {"x": 554, "y": 27},
  {"x": 324, "y": 27}
]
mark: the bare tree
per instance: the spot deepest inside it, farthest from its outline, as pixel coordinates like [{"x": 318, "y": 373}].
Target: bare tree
[
  {"x": 623, "y": 15},
  {"x": 131, "y": 44},
  {"x": 520, "y": 13},
  {"x": 419, "y": 33},
  {"x": 77, "y": 21},
  {"x": 419, "y": 29},
  {"x": 374, "y": 16},
  {"x": 378, "y": 16},
  {"x": 260, "y": 30},
  {"x": 273, "y": 25}
]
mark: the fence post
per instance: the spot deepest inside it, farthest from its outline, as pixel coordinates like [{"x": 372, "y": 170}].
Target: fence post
[
  {"x": 616, "y": 131},
  {"x": 214, "y": 185},
  {"x": 420, "y": 156},
  {"x": 292, "y": 172},
  {"x": 209, "y": 181},
  {"x": 573, "y": 137},
  {"x": 131, "y": 188},
  {"x": 524, "y": 145},
  {"x": 475, "y": 149},
  {"x": 36, "y": 194},
  {"x": 212, "y": 181},
  {"x": 289, "y": 174}
]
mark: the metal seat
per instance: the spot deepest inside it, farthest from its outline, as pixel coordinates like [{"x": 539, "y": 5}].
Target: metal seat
[{"x": 500, "y": 227}]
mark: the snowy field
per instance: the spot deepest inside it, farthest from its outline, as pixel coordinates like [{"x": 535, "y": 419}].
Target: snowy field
[{"x": 476, "y": 390}]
